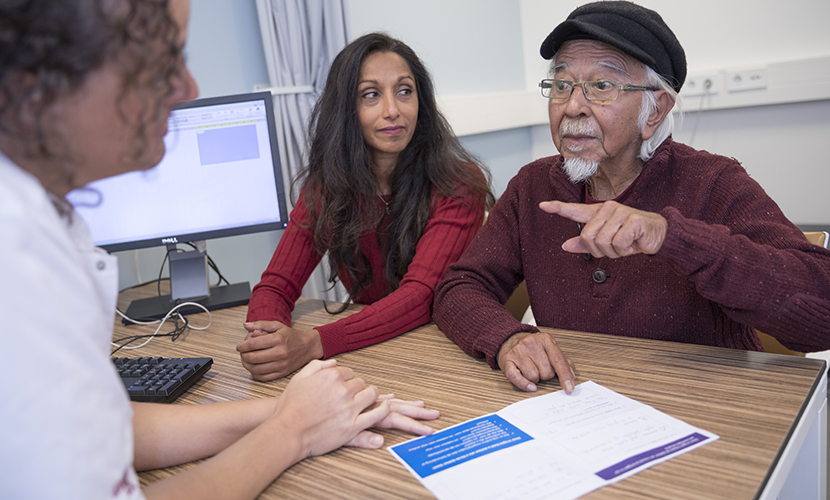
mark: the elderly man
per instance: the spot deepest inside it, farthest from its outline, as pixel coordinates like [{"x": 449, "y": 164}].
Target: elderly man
[{"x": 627, "y": 232}]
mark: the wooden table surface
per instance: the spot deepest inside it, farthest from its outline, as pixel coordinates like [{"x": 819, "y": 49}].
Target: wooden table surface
[{"x": 751, "y": 400}]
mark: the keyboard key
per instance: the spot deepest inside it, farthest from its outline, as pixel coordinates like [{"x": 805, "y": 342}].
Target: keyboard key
[
  {"x": 137, "y": 390},
  {"x": 168, "y": 388}
]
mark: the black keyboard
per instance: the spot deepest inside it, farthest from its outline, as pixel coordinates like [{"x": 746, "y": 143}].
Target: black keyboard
[{"x": 160, "y": 380}]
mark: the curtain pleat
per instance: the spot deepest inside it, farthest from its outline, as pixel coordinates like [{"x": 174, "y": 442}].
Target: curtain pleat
[{"x": 301, "y": 39}]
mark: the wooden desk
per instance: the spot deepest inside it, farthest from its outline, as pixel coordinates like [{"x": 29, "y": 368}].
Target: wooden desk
[{"x": 753, "y": 401}]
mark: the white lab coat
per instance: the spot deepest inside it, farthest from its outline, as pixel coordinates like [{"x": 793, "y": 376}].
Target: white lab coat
[{"x": 65, "y": 418}]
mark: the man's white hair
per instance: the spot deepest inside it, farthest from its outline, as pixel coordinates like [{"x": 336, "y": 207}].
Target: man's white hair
[{"x": 648, "y": 106}]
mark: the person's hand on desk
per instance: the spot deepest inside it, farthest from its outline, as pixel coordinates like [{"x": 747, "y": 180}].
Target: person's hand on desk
[
  {"x": 327, "y": 407},
  {"x": 253, "y": 441},
  {"x": 402, "y": 415},
  {"x": 272, "y": 350},
  {"x": 526, "y": 358}
]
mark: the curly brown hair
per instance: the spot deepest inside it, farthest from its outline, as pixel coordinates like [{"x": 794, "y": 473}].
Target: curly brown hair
[{"x": 49, "y": 47}]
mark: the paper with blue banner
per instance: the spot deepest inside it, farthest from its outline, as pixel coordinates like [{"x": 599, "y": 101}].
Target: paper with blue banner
[{"x": 556, "y": 446}]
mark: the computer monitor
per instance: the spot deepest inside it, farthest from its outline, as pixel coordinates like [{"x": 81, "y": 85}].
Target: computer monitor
[{"x": 220, "y": 176}]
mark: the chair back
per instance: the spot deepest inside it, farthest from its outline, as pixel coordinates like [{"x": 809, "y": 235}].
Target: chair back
[{"x": 820, "y": 238}]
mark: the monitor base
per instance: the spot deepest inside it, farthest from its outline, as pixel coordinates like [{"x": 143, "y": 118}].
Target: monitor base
[{"x": 152, "y": 308}]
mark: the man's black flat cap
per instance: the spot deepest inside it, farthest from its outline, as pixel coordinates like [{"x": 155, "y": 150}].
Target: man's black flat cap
[{"x": 635, "y": 30}]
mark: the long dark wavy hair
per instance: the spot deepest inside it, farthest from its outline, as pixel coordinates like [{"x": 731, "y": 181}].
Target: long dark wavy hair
[
  {"x": 49, "y": 47},
  {"x": 339, "y": 186}
]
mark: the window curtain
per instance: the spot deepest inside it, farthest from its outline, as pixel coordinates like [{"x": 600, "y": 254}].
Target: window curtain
[{"x": 301, "y": 39}]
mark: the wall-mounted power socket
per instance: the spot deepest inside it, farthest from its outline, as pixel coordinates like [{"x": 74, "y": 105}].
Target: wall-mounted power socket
[
  {"x": 747, "y": 79},
  {"x": 700, "y": 85}
]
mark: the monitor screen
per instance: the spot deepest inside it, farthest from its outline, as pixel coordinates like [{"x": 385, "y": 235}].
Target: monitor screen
[{"x": 220, "y": 176}]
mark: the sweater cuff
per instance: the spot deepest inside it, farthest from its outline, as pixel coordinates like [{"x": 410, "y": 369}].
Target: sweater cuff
[
  {"x": 690, "y": 244},
  {"x": 333, "y": 338}
]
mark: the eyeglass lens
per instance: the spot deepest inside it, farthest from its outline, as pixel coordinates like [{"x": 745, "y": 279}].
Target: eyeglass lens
[{"x": 593, "y": 91}]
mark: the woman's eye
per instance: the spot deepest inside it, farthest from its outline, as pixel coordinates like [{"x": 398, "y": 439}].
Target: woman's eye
[{"x": 370, "y": 94}]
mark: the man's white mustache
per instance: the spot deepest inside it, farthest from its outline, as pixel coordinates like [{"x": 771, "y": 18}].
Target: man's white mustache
[{"x": 577, "y": 127}]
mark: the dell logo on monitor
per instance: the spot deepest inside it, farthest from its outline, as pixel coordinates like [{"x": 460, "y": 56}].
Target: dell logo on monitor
[{"x": 165, "y": 241}]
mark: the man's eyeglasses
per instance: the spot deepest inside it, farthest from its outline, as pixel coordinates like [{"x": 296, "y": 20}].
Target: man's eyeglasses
[{"x": 561, "y": 90}]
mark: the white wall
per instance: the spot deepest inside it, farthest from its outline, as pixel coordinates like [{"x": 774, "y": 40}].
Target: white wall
[{"x": 490, "y": 48}]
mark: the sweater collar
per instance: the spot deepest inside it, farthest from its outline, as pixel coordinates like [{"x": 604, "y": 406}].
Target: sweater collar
[{"x": 576, "y": 192}]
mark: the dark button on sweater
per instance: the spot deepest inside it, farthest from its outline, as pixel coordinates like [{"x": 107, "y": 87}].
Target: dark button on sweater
[{"x": 599, "y": 276}]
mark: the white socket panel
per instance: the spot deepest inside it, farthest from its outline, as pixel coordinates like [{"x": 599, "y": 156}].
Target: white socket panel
[
  {"x": 700, "y": 85},
  {"x": 747, "y": 79}
]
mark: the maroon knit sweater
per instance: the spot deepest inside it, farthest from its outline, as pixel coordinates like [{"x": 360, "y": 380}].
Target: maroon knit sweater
[
  {"x": 449, "y": 230},
  {"x": 731, "y": 262}
]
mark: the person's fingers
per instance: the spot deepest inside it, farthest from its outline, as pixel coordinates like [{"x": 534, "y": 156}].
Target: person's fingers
[
  {"x": 653, "y": 233},
  {"x": 575, "y": 245},
  {"x": 413, "y": 409},
  {"x": 366, "y": 439},
  {"x": 540, "y": 358},
  {"x": 264, "y": 375},
  {"x": 315, "y": 366},
  {"x": 266, "y": 326},
  {"x": 562, "y": 365},
  {"x": 531, "y": 357},
  {"x": 256, "y": 343},
  {"x": 372, "y": 417},
  {"x": 276, "y": 354},
  {"x": 397, "y": 421},
  {"x": 262, "y": 369},
  {"x": 616, "y": 231},
  {"x": 347, "y": 374},
  {"x": 607, "y": 237},
  {"x": 514, "y": 375},
  {"x": 577, "y": 212},
  {"x": 592, "y": 228},
  {"x": 528, "y": 368}
]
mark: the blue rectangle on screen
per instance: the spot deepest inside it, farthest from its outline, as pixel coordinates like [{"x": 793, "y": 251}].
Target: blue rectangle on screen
[
  {"x": 224, "y": 144},
  {"x": 645, "y": 457},
  {"x": 456, "y": 445}
]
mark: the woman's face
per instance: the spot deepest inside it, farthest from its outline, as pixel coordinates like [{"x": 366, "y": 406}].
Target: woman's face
[
  {"x": 101, "y": 122},
  {"x": 387, "y": 105}
]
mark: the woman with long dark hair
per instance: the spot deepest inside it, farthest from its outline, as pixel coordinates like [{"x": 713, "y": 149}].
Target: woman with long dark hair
[
  {"x": 388, "y": 193},
  {"x": 86, "y": 88}
]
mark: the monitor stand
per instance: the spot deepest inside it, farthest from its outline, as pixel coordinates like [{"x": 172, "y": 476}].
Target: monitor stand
[{"x": 188, "y": 283}]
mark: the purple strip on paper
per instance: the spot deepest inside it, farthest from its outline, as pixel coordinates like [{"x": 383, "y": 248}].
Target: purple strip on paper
[{"x": 641, "y": 459}]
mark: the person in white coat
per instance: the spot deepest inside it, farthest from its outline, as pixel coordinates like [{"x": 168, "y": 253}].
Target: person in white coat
[{"x": 86, "y": 87}]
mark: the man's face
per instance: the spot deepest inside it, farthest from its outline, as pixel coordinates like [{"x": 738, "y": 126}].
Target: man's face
[
  {"x": 102, "y": 124},
  {"x": 602, "y": 132}
]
